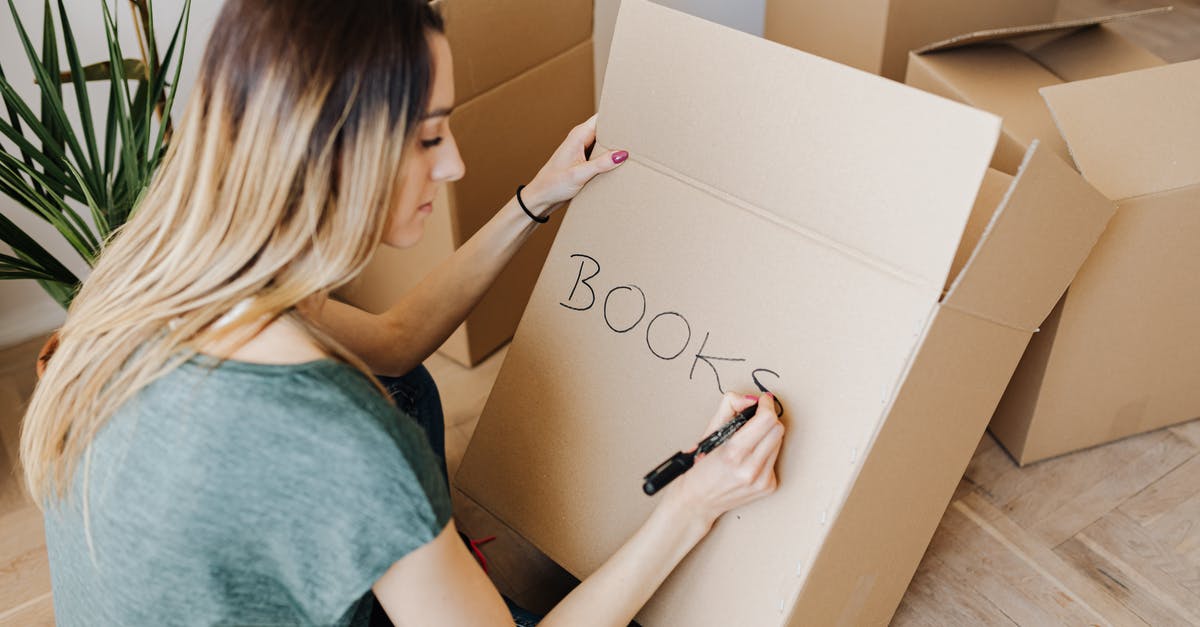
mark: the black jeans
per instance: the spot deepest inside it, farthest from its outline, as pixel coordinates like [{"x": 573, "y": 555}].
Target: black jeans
[{"x": 416, "y": 395}]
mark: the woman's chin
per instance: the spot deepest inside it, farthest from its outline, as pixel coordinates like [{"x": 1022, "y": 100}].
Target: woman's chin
[{"x": 407, "y": 238}]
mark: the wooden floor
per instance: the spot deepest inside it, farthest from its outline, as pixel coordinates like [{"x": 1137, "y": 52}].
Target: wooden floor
[{"x": 1109, "y": 535}]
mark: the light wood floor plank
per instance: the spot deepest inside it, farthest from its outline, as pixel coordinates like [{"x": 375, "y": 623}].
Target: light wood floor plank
[
  {"x": 1080, "y": 508},
  {"x": 1002, "y": 575},
  {"x": 940, "y": 596},
  {"x": 1031, "y": 550},
  {"x": 1117, "y": 553},
  {"x": 1163, "y": 495},
  {"x": 35, "y": 612},
  {"x": 1179, "y": 529}
]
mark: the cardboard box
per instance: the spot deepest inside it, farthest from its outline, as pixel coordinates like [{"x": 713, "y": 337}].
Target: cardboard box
[
  {"x": 1001, "y": 70},
  {"x": 1120, "y": 353},
  {"x": 523, "y": 79},
  {"x": 876, "y": 35},
  {"x": 787, "y": 220}
]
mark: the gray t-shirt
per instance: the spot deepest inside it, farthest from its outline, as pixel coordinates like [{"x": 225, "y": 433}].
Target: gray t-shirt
[{"x": 244, "y": 494}]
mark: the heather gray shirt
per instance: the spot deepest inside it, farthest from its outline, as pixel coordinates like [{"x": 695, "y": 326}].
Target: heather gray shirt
[{"x": 244, "y": 494}]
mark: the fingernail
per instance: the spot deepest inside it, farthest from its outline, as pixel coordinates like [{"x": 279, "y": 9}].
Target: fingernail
[
  {"x": 620, "y": 156},
  {"x": 751, "y": 397}
]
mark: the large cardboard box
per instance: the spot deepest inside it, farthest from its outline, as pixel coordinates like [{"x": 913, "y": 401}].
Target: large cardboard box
[
  {"x": 1111, "y": 360},
  {"x": 788, "y": 221},
  {"x": 1000, "y": 70},
  {"x": 523, "y": 78},
  {"x": 876, "y": 35},
  {"x": 1121, "y": 352}
]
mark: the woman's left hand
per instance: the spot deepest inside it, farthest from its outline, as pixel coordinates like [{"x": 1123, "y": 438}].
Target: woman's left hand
[{"x": 568, "y": 170}]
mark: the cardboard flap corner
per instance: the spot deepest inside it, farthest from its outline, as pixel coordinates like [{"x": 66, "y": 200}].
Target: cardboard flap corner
[
  {"x": 1135, "y": 133},
  {"x": 1038, "y": 238},
  {"x": 1012, "y": 32},
  {"x": 882, "y": 170}
]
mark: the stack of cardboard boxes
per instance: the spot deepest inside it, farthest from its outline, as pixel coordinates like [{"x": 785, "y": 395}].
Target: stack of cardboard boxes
[
  {"x": 523, "y": 78},
  {"x": 1117, "y": 356},
  {"x": 793, "y": 224}
]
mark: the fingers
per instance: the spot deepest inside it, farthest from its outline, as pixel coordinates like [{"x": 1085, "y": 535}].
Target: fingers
[
  {"x": 730, "y": 405},
  {"x": 743, "y": 442},
  {"x": 762, "y": 459},
  {"x": 584, "y": 133},
  {"x": 599, "y": 164}
]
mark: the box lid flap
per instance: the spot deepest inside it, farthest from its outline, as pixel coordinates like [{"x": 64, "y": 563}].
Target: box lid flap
[
  {"x": 1011, "y": 32},
  {"x": 1135, "y": 133},
  {"x": 884, "y": 173},
  {"x": 1039, "y": 236}
]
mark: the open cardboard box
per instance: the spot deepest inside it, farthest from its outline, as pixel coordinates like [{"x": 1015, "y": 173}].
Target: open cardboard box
[
  {"x": 1001, "y": 70},
  {"x": 1118, "y": 355},
  {"x": 876, "y": 35},
  {"x": 523, "y": 79},
  {"x": 787, "y": 221}
]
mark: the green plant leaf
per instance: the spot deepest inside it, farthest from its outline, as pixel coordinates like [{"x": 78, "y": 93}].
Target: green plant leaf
[
  {"x": 32, "y": 252},
  {"x": 181, "y": 27},
  {"x": 50, "y": 207},
  {"x": 78, "y": 79},
  {"x": 50, "y": 60},
  {"x": 47, "y": 86},
  {"x": 126, "y": 171}
]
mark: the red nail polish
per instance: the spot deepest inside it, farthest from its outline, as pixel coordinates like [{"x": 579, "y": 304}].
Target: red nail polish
[{"x": 620, "y": 156}]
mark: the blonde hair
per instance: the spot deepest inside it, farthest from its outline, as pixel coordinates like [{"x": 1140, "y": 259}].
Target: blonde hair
[{"x": 276, "y": 187}]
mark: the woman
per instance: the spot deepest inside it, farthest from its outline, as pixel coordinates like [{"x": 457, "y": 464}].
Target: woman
[{"x": 209, "y": 441}]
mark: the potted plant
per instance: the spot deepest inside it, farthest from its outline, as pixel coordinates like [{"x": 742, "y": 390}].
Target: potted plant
[{"x": 61, "y": 171}]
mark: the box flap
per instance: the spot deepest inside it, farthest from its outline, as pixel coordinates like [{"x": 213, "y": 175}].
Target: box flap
[
  {"x": 1012, "y": 32},
  {"x": 1091, "y": 53},
  {"x": 1134, "y": 133},
  {"x": 1038, "y": 238},
  {"x": 726, "y": 108},
  {"x": 999, "y": 79}
]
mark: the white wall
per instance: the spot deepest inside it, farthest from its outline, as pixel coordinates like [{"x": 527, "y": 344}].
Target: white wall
[
  {"x": 25, "y": 310},
  {"x": 744, "y": 15}
]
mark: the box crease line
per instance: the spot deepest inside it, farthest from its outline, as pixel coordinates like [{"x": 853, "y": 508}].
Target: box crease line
[
  {"x": 770, "y": 216},
  {"x": 897, "y": 385},
  {"x": 572, "y": 48}
]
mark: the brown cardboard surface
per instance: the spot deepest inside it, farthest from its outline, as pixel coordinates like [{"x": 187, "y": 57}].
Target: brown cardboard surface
[
  {"x": 990, "y": 71},
  {"x": 1124, "y": 349},
  {"x": 1038, "y": 234},
  {"x": 876, "y": 35},
  {"x": 1135, "y": 133},
  {"x": 1032, "y": 246},
  {"x": 1127, "y": 348},
  {"x": 999, "y": 79},
  {"x": 495, "y": 40},
  {"x": 504, "y": 134},
  {"x": 993, "y": 189},
  {"x": 783, "y": 219},
  {"x": 993, "y": 34},
  {"x": 852, "y": 32},
  {"x": 1093, "y": 52}
]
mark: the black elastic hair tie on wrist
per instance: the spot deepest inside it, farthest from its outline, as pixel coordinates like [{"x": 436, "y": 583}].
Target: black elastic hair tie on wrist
[{"x": 526, "y": 209}]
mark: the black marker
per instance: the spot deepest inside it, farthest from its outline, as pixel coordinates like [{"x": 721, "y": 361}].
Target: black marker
[{"x": 681, "y": 462}]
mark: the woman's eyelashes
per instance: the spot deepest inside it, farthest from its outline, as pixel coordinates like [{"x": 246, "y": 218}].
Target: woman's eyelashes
[{"x": 431, "y": 143}]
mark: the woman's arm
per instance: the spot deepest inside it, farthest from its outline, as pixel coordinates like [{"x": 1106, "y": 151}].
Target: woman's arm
[
  {"x": 440, "y": 584},
  {"x": 397, "y": 340}
]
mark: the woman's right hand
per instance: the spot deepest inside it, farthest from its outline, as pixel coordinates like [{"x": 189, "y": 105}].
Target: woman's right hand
[{"x": 739, "y": 471}]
